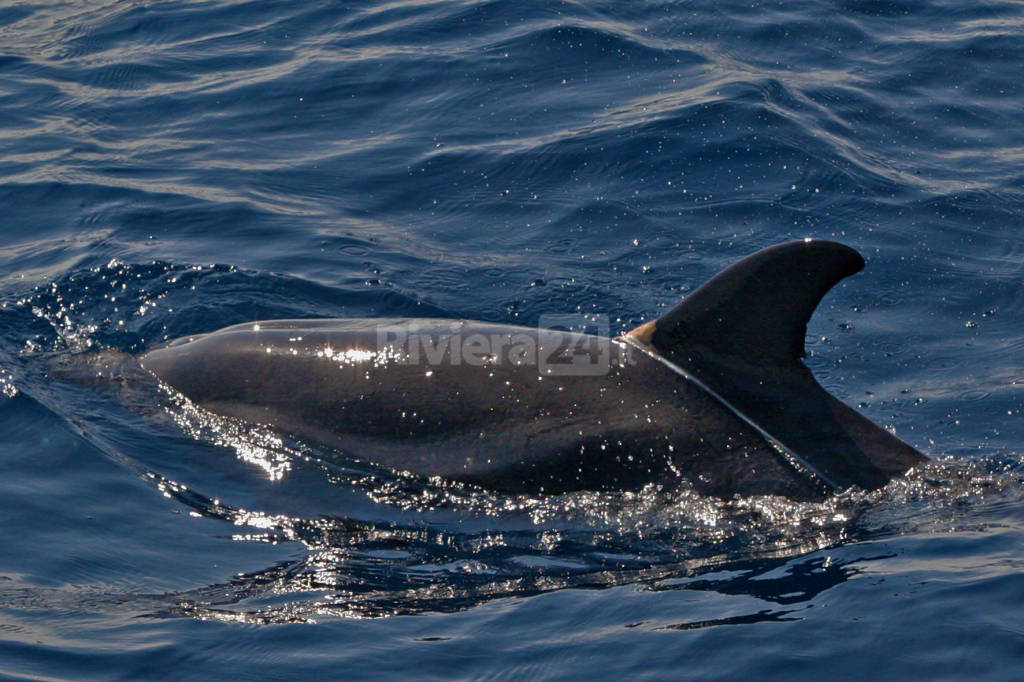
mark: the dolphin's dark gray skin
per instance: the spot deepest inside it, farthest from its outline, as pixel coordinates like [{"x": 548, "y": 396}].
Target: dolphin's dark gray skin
[{"x": 713, "y": 391}]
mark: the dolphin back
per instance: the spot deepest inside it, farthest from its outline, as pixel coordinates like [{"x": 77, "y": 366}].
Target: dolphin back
[{"x": 533, "y": 410}]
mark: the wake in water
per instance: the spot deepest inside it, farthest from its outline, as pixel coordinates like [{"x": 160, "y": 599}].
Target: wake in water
[{"x": 379, "y": 543}]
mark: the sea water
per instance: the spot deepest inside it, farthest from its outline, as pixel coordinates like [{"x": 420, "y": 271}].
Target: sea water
[{"x": 170, "y": 168}]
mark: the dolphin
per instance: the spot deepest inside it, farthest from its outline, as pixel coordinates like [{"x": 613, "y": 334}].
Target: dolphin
[{"x": 713, "y": 392}]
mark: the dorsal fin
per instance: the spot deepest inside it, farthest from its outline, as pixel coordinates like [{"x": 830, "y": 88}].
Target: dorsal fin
[
  {"x": 742, "y": 335},
  {"x": 757, "y": 308}
]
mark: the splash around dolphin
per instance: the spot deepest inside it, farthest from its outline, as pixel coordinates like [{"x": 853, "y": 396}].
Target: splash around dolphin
[{"x": 713, "y": 392}]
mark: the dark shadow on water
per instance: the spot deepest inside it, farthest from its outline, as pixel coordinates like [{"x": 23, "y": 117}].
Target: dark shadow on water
[
  {"x": 799, "y": 582},
  {"x": 763, "y": 616},
  {"x": 339, "y": 584}
]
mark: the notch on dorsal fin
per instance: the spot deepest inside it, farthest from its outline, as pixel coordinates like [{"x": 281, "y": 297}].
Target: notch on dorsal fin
[{"x": 759, "y": 307}]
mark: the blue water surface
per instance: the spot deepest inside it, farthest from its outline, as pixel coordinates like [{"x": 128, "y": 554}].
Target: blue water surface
[{"x": 169, "y": 168}]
